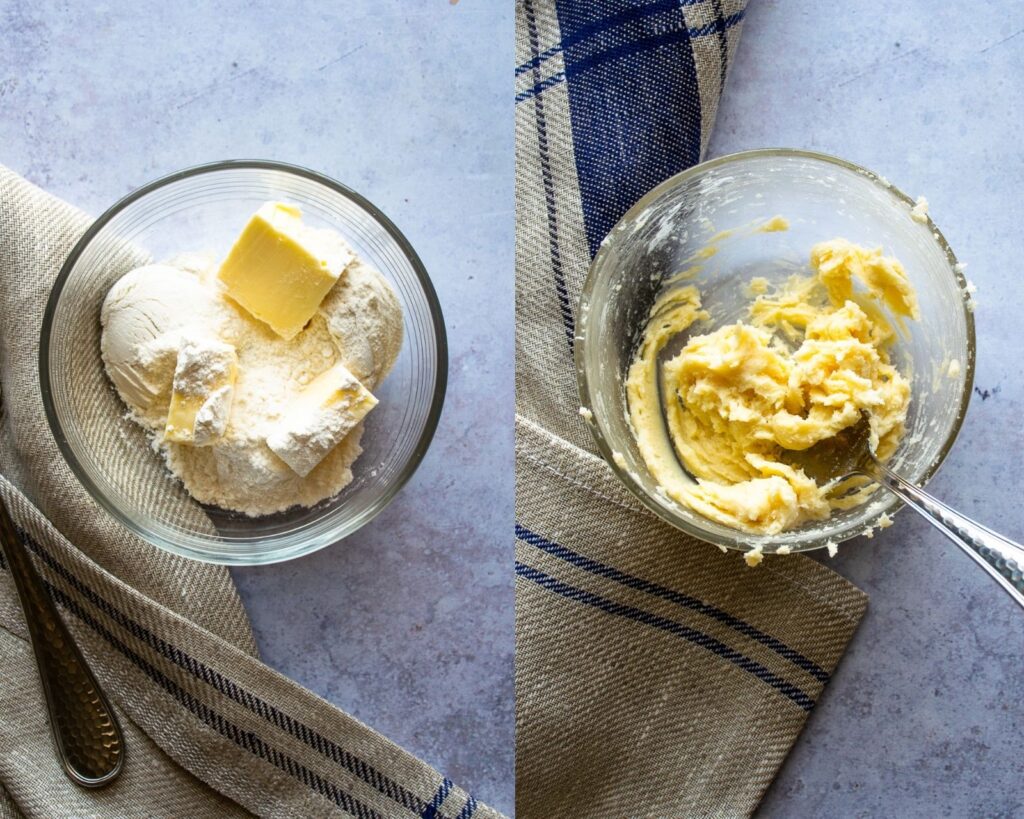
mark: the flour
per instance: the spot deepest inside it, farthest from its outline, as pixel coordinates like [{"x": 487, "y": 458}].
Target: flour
[
  {"x": 158, "y": 359},
  {"x": 212, "y": 418},
  {"x": 204, "y": 375},
  {"x": 202, "y": 362},
  {"x": 143, "y": 317},
  {"x": 365, "y": 322},
  {"x": 319, "y": 418},
  {"x": 919, "y": 212},
  {"x": 359, "y": 324}
]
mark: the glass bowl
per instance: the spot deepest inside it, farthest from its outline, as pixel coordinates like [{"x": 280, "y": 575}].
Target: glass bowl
[
  {"x": 822, "y": 197},
  {"x": 203, "y": 209}
]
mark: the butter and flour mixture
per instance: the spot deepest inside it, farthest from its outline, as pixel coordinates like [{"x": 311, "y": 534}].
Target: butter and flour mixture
[
  {"x": 251, "y": 420},
  {"x": 814, "y": 355}
]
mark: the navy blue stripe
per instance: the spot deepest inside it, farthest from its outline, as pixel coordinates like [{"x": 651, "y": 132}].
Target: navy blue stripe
[
  {"x": 430, "y": 811},
  {"x": 540, "y": 87},
  {"x": 468, "y": 809},
  {"x": 627, "y": 49},
  {"x": 717, "y": 25},
  {"x": 221, "y": 684},
  {"x": 680, "y": 599},
  {"x": 568, "y": 320},
  {"x": 698, "y": 31},
  {"x": 691, "y": 635},
  {"x": 248, "y": 740},
  {"x": 723, "y": 44},
  {"x": 535, "y": 62},
  {"x": 634, "y": 104},
  {"x": 625, "y": 16}
]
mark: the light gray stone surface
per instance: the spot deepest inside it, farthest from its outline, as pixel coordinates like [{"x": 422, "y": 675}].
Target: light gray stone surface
[
  {"x": 923, "y": 718},
  {"x": 408, "y": 624}
]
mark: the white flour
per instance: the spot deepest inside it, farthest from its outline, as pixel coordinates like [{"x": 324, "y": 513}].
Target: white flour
[
  {"x": 365, "y": 321},
  {"x": 359, "y": 324},
  {"x": 203, "y": 363}
]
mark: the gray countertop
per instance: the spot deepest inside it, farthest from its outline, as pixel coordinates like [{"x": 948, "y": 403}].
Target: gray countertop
[
  {"x": 923, "y": 716},
  {"x": 408, "y": 625}
]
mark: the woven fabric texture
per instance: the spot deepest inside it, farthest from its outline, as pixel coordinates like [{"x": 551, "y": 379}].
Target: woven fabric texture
[
  {"x": 655, "y": 676},
  {"x": 210, "y": 730}
]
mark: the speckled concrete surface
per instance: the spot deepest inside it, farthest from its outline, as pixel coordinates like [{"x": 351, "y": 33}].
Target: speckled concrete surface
[
  {"x": 923, "y": 718},
  {"x": 407, "y": 625}
]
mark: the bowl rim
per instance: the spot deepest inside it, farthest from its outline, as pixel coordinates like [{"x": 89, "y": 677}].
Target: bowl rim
[
  {"x": 309, "y": 544},
  {"x": 746, "y": 541}
]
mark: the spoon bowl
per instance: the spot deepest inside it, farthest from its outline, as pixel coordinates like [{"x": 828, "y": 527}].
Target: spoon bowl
[
  {"x": 833, "y": 459},
  {"x": 842, "y": 461}
]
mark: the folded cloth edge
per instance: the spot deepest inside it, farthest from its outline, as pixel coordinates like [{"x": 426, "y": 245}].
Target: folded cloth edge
[
  {"x": 326, "y": 755},
  {"x": 744, "y": 633}
]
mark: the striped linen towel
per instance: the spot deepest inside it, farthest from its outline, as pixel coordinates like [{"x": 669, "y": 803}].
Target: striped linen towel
[
  {"x": 210, "y": 731},
  {"x": 655, "y": 676}
]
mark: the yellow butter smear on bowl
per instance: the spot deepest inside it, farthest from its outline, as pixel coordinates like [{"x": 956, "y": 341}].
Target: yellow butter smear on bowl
[{"x": 813, "y": 356}]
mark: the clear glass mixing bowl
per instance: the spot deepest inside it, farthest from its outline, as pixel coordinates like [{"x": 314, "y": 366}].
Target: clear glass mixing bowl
[
  {"x": 822, "y": 197},
  {"x": 203, "y": 209}
]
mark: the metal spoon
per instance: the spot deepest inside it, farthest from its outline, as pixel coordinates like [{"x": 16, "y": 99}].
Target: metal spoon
[
  {"x": 88, "y": 739},
  {"x": 849, "y": 454}
]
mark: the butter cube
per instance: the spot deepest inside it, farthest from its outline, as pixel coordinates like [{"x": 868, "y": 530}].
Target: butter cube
[
  {"x": 204, "y": 381},
  {"x": 279, "y": 269},
  {"x": 319, "y": 417}
]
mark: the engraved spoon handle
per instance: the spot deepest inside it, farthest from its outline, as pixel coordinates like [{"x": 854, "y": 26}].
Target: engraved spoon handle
[
  {"x": 88, "y": 739},
  {"x": 997, "y": 555}
]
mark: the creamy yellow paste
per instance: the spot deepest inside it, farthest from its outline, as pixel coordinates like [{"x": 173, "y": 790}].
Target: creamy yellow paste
[{"x": 812, "y": 357}]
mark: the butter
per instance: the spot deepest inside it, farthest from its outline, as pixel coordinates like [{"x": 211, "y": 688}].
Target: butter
[
  {"x": 279, "y": 269},
  {"x": 714, "y": 421},
  {"x": 319, "y": 417},
  {"x": 204, "y": 380}
]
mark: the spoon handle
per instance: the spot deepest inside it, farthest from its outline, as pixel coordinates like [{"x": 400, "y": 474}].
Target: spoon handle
[
  {"x": 997, "y": 555},
  {"x": 87, "y": 737}
]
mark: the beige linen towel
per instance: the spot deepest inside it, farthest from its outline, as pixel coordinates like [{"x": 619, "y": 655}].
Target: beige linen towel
[
  {"x": 655, "y": 676},
  {"x": 210, "y": 730}
]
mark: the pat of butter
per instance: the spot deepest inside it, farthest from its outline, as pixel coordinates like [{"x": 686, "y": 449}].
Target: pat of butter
[
  {"x": 319, "y": 417},
  {"x": 279, "y": 269},
  {"x": 204, "y": 381}
]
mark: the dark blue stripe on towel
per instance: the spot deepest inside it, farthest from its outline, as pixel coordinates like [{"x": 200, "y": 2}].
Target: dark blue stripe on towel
[
  {"x": 468, "y": 809},
  {"x": 634, "y": 105},
  {"x": 568, "y": 320},
  {"x": 691, "y": 635},
  {"x": 540, "y": 87},
  {"x": 430, "y": 811},
  {"x": 719, "y": 26},
  {"x": 680, "y": 599},
  {"x": 627, "y": 15}
]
